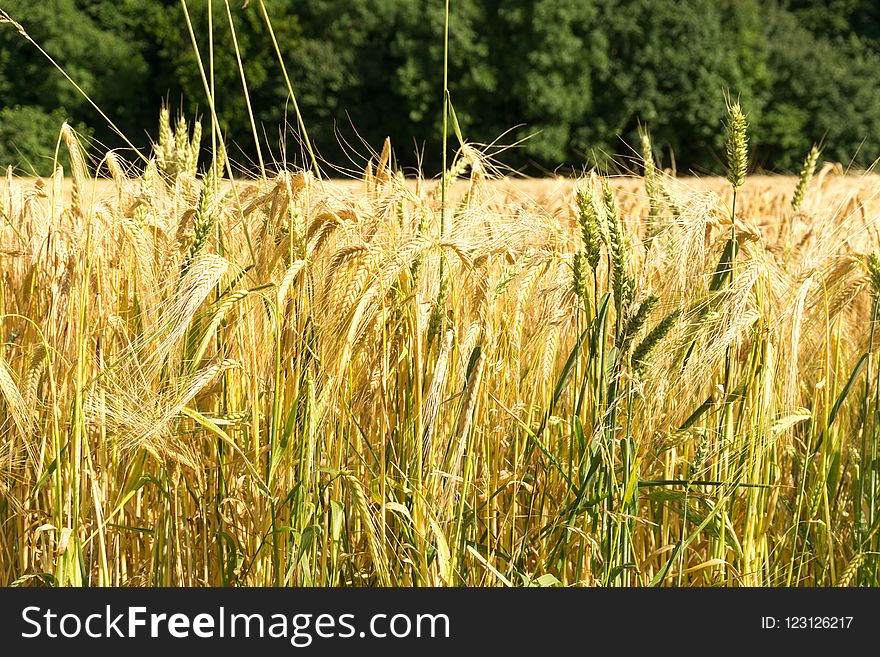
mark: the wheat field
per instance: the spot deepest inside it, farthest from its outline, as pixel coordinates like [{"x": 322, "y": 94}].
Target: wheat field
[{"x": 296, "y": 381}]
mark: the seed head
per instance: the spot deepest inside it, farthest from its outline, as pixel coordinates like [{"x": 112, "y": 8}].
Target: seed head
[
  {"x": 204, "y": 220},
  {"x": 643, "y": 350},
  {"x": 700, "y": 455},
  {"x": 652, "y": 188},
  {"x": 618, "y": 246},
  {"x": 580, "y": 274},
  {"x": 638, "y": 319},
  {"x": 591, "y": 226},
  {"x": 873, "y": 266},
  {"x": 805, "y": 176},
  {"x": 737, "y": 145}
]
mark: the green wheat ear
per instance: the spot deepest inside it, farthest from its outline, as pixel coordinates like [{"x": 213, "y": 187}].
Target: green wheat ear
[
  {"x": 873, "y": 266},
  {"x": 618, "y": 246},
  {"x": 435, "y": 322},
  {"x": 737, "y": 145},
  {"x": 639, "y": 318},
  {"x": 700, "y": 455},
  {"x": 580, "y": 278},
  {"x": 643, "y": 350},
  {"x": 203, "y": 222},
  {"x": 651, "y": 187},
  {"x": 805, "y": 177},
  {"x": 165, "y": 149},
  {"x": 591, "y": 226}
]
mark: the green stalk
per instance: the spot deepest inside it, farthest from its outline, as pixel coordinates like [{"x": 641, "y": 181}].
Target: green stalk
[
  {"x": 443, "y": 179},
  {"x": 274, "y": 430},
  {"x": 866, "y": 469},
  {"x": 726, "y": 431},
  {"x": 875, "y": 540},
  {"x": 441, "y": 301},
  {"x": 737, "y": 160}
]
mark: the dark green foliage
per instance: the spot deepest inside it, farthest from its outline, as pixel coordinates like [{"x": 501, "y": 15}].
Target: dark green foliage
[
  {"x": 179, "y": 70},
  {"x": 820, "y": 88},
  {"x": 99, "y": 45},
  {"x": 574, "y": 79},
  {"x": 839, "y": 18},
  {"x": 28, "y": 136},
  {"x": 671, "y": 62}
]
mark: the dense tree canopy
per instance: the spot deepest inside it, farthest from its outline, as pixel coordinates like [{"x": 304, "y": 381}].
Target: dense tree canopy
[{"x": 567, "y": 82}]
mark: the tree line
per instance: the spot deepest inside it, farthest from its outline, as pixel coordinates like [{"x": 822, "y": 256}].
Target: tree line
[{"x": 545, "y": 84}]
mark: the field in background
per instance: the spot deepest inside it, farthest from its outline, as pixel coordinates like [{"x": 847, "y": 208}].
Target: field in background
[
  {"x": 768, "y": 194},
  {"x": 298, "y": 382}
]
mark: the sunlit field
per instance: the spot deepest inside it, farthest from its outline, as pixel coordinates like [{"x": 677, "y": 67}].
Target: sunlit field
[{"x": 290, "y": 380}]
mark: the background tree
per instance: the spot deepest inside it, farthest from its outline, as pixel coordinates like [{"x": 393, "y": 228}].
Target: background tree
[
  {"x": 106, "y": 57},
  {"x": 568, "y": 81}
]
